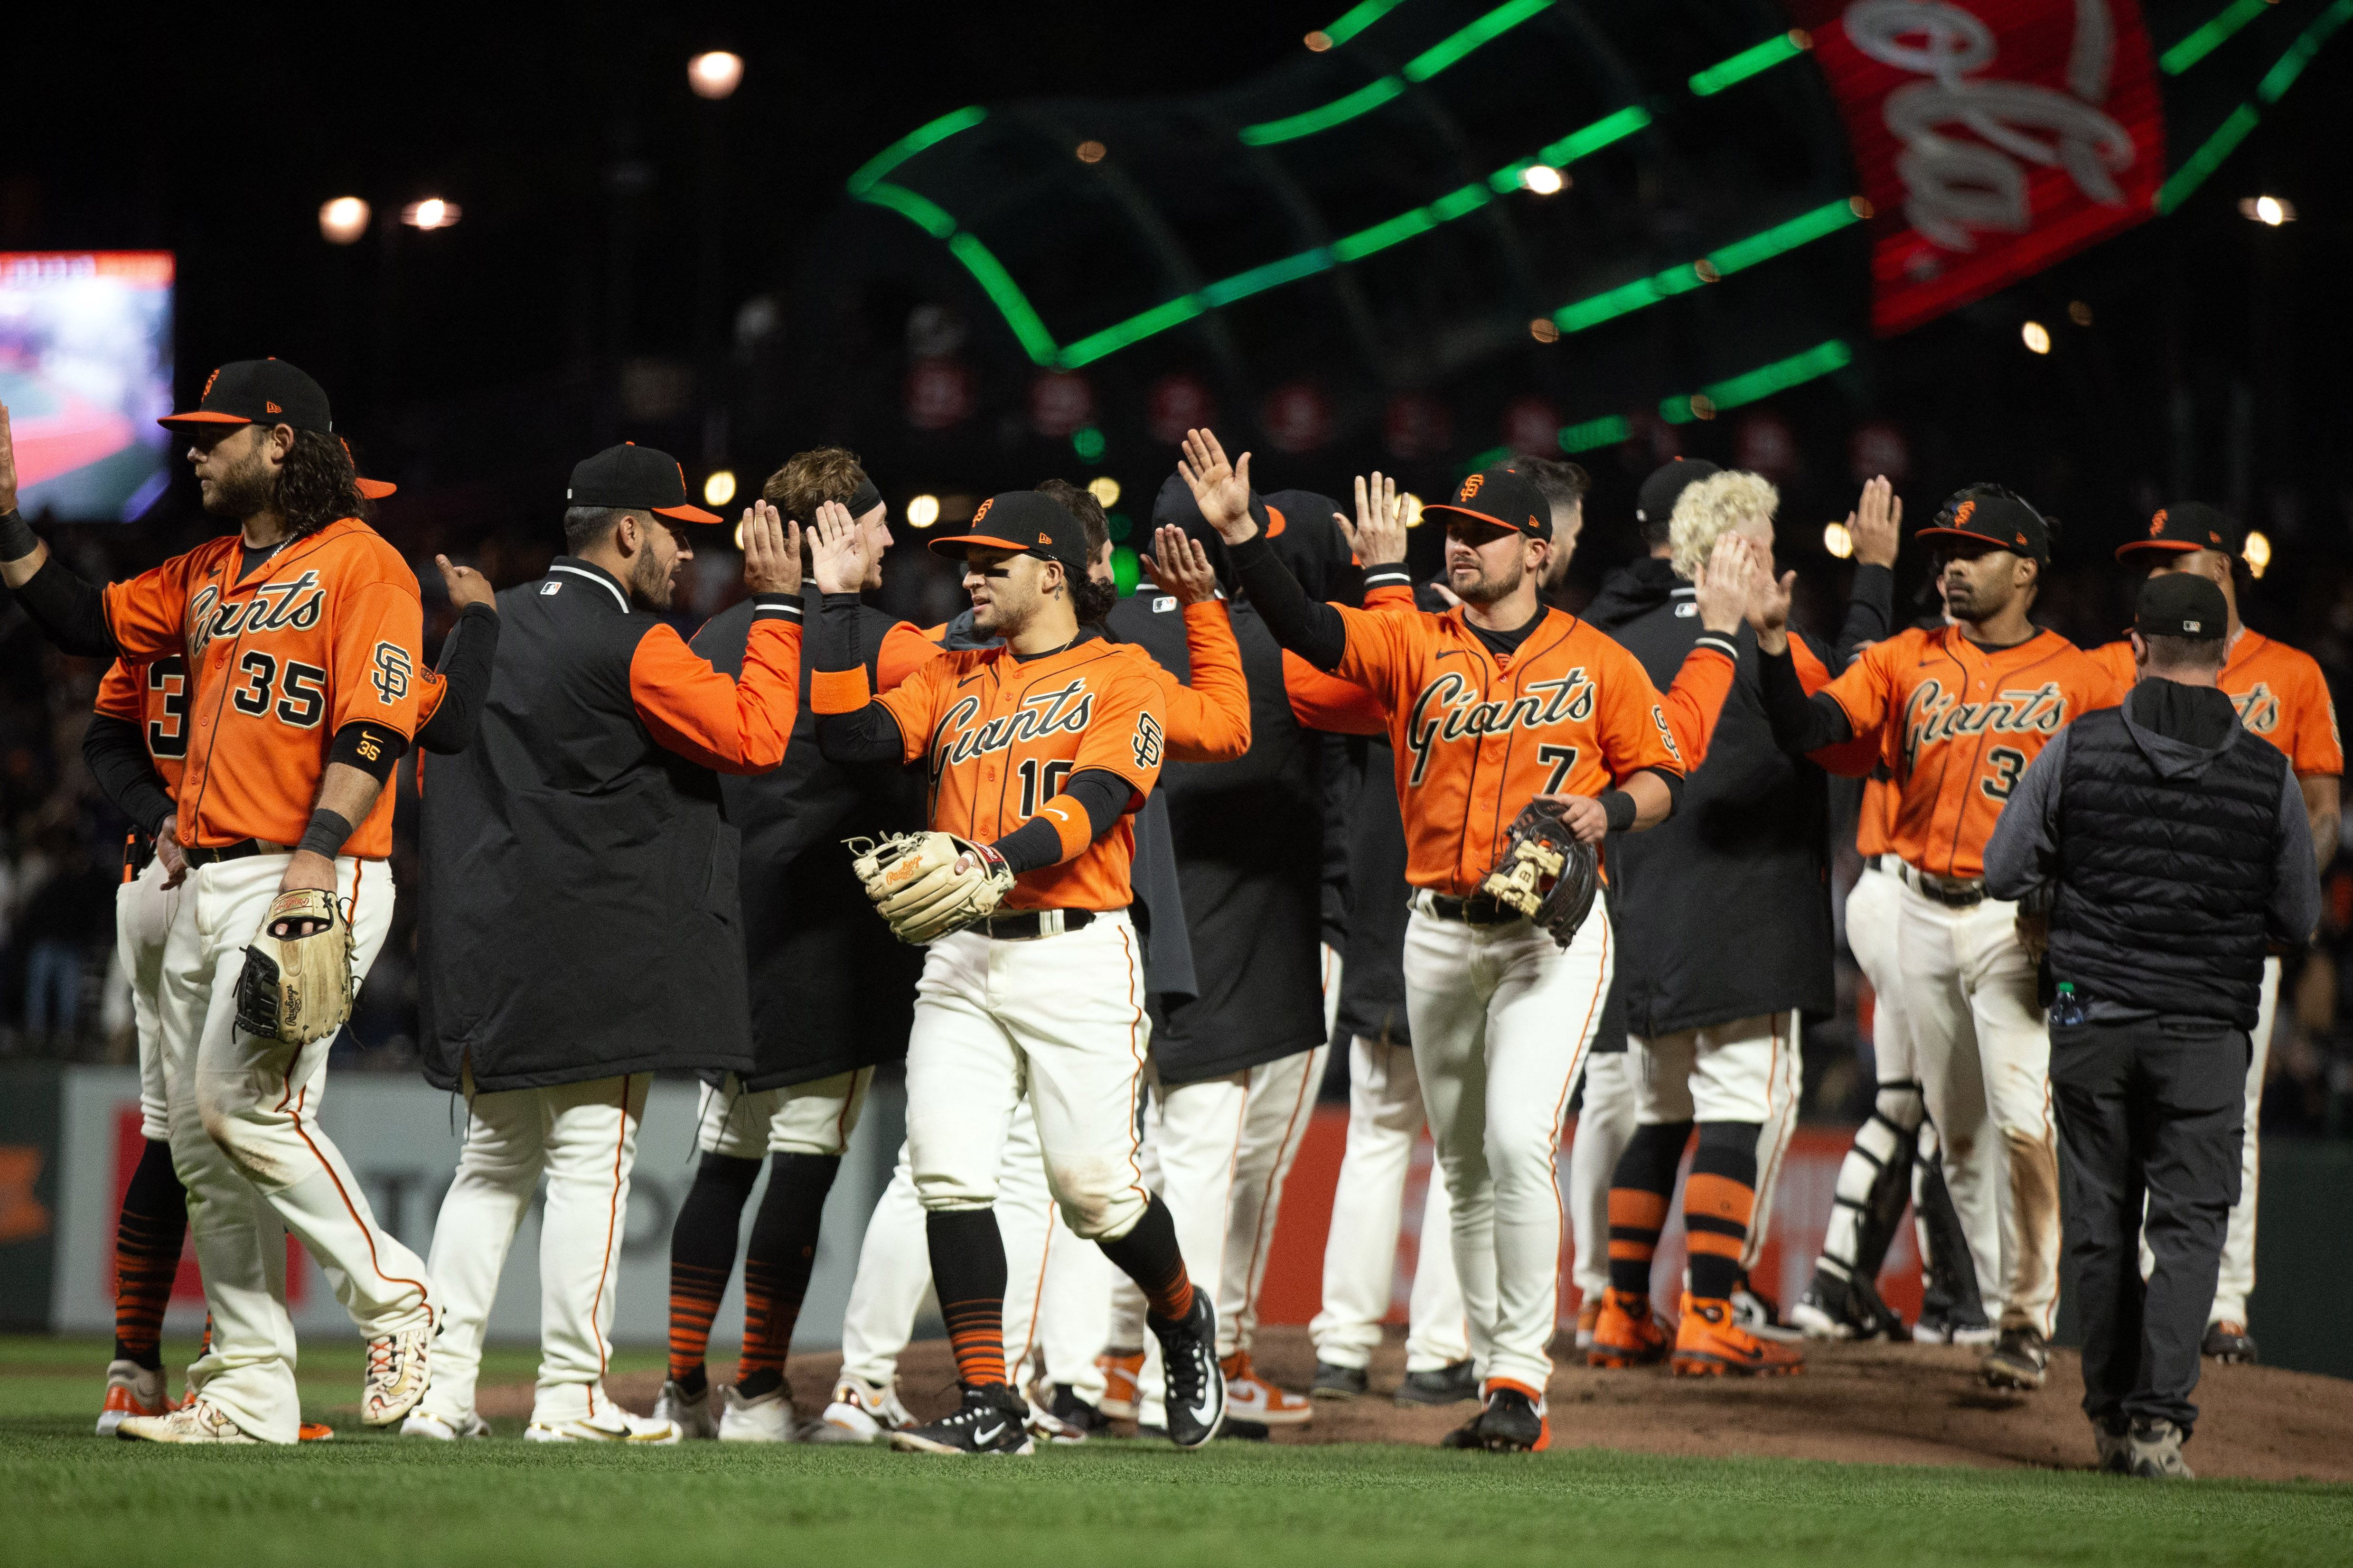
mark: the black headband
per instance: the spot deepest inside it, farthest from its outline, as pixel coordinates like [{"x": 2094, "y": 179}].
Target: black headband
[{"x": 865, "y": 500}]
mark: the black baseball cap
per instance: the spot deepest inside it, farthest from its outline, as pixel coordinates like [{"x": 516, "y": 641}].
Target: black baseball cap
[
  {"x": 1995, "y": 516},
  {"x": 1504, "y": 496},
  {"x": 1655, "y": 501},
  {"x": 1025, "y": 520},
  {"x": 2180, "y": 604},
  {"x": 635, "y": 477},
  {"x": 2191, "y": 525},
  {"x": 255, "y": 392}
]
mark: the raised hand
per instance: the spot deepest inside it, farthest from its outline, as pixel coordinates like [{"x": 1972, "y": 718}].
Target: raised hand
[
  {"x": 1221, "y": 489},
  {"x": 1180, "y": 566},
  {"x": 1876, "y": 524},
  {"x": 7, "y": 463},
  {"x": 466, "y": 586},
  {"x": 772, "y": 551},
  {"x": 1724, "y": 583},
  {"x": 838, "y": 553},
  {"x": 1768, "y": 609},
  {"x": 1378, "y": 536}
]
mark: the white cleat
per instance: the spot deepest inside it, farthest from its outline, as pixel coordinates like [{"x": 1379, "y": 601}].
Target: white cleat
[
  {"x": 767, "y": 1419},
  {"x": 691, "y": 1413},
  {"x": 425, "y": 1424},
  {"x": 615, "y": 1425},
  {"x": 131, "y": 1390},
  {"x": 861, "y": 1412},
  {"x": 398, "y": 1374},
  {"x": 201, "y": 1421}
]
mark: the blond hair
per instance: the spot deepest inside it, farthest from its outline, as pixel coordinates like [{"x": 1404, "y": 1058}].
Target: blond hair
[{"x": 1711, "y": 508}]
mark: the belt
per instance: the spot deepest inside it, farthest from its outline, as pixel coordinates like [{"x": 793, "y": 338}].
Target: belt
[
  {"x": 137, "y": 850},
  {"x": 1952, "y": 892},
  {"x": 1478, "y": 910},
  {"x": 1031, "y": 923},
  {"x": 1877, "y": 862},
  {"x": 242, "y": 850}
]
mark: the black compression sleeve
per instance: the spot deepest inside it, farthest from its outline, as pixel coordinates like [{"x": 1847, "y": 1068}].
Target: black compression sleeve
[
  {"x": 1870, "y": 613},
  {"x": 373, "y": 749},
  {"x": 1037, "y": 842},
  {"x": 1674, "y": 783},
  {"x": 1308, "y": 627},
  {"x": 70, "y": 610},
  {"x": 116, "y": 753},
  {"x": 870, "y": 734},
  {"x": 465, "y": 658},
  {"x": 1033, "y": 843},
  {"x": 840, "y": 644},
  {"x": 1800, "y": 723}
]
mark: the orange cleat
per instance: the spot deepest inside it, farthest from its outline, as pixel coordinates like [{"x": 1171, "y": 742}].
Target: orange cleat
[
  {"x": 315, "y": 1432},
  {"x": 1119, "y": 1369},
  {"x": 1627, "y": 1332},
  {"x": 1249, "y": 1397},
  {"x": 1588, "y": 1316},
  {"x": 1709, "y": 1344},
  {"x": 131, "y": 1390}
]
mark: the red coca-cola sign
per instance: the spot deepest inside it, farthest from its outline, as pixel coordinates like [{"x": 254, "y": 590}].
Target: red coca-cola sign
[
  {"x": 1179, "y": 402},
  {"x": 1993, "y": 137},
  {"x": 1061, "y": 403},
  {"x": 938, "y": 392}
]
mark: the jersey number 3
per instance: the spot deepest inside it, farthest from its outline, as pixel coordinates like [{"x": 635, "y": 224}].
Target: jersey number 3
[{"x": 2007, "y": 762}]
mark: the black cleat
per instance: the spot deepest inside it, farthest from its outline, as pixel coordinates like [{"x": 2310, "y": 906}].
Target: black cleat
[
  {"x": 1337, "y": 1381},
  {"x": 1835, "y": 1308},
  {"x": 2018, "y": 1361},
  {"x": 1058, "y": 1414},
  {"x": 993, "y": 1420},
  {"x": 1511, "y": 1424},
  {"x": 1449, "y": 1385},
  {"x": 1195, "y": 1396},
  {"x": 2229, "y": 1342}
]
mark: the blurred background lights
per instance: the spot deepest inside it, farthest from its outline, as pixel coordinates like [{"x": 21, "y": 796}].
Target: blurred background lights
[
  {"x": 715, "y": 75},
  {"x": 1542, "y": 179},
  {"x": 1838, "y": 540},
  {"x": 343, "y": 220},
  {"x": 923, "y": 511},
  {"x": 720, "y": 488},
  {"x": 1090, "y": 152},
  {"x": 1412, "y": 504},
  {"x": 2079, "y": 313},
  {"x": 2258, "y": 553},
  {"x": 1544, "y": 330},
  {"x": 2036, "y": 336},
  {"x": 2271, "y": 210},
  {"x": 1105, "y": 489},
  {"x": 431, "y": 212},
  {"x": 1319, "y": 40}
]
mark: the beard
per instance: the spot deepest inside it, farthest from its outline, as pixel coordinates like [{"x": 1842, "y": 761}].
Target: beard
[
  {"x": 1492, "y": 585},
  {"x": 242, "y": 491},
  {"x": 649, "y": 581}
]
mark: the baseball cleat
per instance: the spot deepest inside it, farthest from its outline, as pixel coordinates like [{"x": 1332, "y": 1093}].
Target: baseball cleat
[
  {"x": 2156, "y": 1451},
  {"x": 1058, "y": 1414},
  {"x": 1627, "y": 1333},
  {"x": 691, "y": 1412},
  {"x": 423, "y": 1423},
  {"x": 1121, "y": 1369},
  {"x": 1761, "y": 1315},
  {"x": 992, "y": 1420},
  {"x": 397, "y": 1373},
  {"x": 1710, "y": 1342},
  {"x": 1337, "y": 1381},
  {"x": 1513, "y": 1422},
  {"x": 314, "y": 1432},
  {"x": 2018, "y": 1361},
  {"x": 767, "y": 1419},
  {"x": 200, "y": 1422},
  {"x": 134, "y": 1390},
  {"x": 861, "y": 1412},
  {"x": 1831, "y": 1307},
  {"x": 2226, "y": 1342},
  {"x": 1197, "y": 1387},
  {"x": 1448, "y": 1385},
  {"x": 1588, "y": 1313},
  {"x": 1249, "y": 1397},
  {"x": 2112, "y": 1439},
  {"x": 1954, "y": 1328},
  {"x": 613, "y": 1425}
]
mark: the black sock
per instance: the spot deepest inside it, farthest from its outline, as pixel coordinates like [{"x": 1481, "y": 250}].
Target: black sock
[
  {"x": 776, "y": 1265},
  {"x": 968, "y": 1276},
  {"x": 1719, "y": 1204},
  {"x": 1638, "y": 1192},
  {"x": 1149, "y": 1255},
  {"x": 702, "y": 1257},
  {"x": 147, "y": 1238}
]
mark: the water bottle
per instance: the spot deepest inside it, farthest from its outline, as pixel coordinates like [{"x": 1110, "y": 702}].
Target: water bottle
[{"x": 2066, "y": 1008}]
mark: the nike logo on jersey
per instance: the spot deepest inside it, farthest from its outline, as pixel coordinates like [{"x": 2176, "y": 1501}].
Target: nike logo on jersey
[
  {"x": 1934, "y": 715},
  {"x": 1450, "y": 709},
  {"x": 274, "y": 606},
  {"x": 1066, "y": 709}
]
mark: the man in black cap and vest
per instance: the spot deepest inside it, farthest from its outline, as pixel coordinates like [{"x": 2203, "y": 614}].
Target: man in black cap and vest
[
  {"x": 2180, "y": 854},
  {"x": 581, "y": 928}
]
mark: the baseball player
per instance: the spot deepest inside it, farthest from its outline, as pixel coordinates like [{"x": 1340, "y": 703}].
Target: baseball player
[
  {"x": 1961, "y": 712},
  {"x": 1490, "y": 707},
  {"x": 2282, "y": 698},
  {"x": 591, "y": 787},
  {"x": 1037, "y": 751},
  {"x": 135, "y": 748}
]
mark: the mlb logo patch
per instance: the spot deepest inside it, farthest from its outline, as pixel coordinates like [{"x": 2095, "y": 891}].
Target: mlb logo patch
[
  {"x": 1686, "y": 611},
  {"x": 548, "y": 587},
  {"x": 1164, "y": 603}
]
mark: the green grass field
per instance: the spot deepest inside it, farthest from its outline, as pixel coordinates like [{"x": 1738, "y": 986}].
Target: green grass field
[{"x": 364, "y": 1499}]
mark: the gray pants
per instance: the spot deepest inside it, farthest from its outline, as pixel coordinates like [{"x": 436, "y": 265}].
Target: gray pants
[{"x": 2150, "y": 1110}]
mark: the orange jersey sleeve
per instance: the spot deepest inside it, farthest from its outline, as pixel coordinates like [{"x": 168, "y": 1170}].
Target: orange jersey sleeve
[
  {"x": 904, "y": 651},
  {"x": 1858, "y": 756},
  {"x": 1322, "y": 701},
  {"x": 2282, "y": 696},
  {"x": 122, "y": 692},
  {"x": 150, "y": 613},
  {"x": 729, "y": 726},
  {"x": 2116, "y": 659},
  {"x": 1208, "y": 720},
  {"x": 1695, "y": 700}
]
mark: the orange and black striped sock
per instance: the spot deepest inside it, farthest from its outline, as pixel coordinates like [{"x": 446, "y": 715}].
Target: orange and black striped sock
[
  {"x": 147, "y": 1240},
  {"x": 1148, "y": 1255},
  {"x": 968, "y": 1274},
  {"x": 777, "y": 1263},
  {"x": 702, "y": 1257},
  {"x": 1719, "y": 1201},
  {"x": 1639, "y": 1195}
]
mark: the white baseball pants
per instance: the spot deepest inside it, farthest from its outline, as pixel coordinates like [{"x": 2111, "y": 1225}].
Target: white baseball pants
[
  {"x": 1502, "y": 1017},
  {"x": 814, "y": 1118},
  {"x": 1606, "y": 1120},
  {"x": 247, "y": 1143},
  {"x": 584, "y": 1138},
  {"x": 1746, "y": 1070},
  {"x": 144, "y": 913},
  {"x": 1983, "y": 1051}
]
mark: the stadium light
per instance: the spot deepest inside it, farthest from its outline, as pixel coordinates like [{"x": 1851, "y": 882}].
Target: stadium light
[
  {"x": 1105, "y": 489},
  {"x": 344, "y": 220},
  {"x": 715, "y": 75},
  {"x": 1412, "y": 504},
  {"x": 2036, "y": 336},
  {"x": 2258, "y": 553},
  {"x": 1542, "y": 179},
  {"x": 2270, "y": 211},
  {"x": 1838, "y": 540},
  {"x": 923, "y": 511},
  {"x": 1543, "y": 330},
  {"x": 1318, "y": 41},
  {"x": 720, "y": 488},
  {"x": 431, "y": 212},
  {"x": 1090, "y": 152}
]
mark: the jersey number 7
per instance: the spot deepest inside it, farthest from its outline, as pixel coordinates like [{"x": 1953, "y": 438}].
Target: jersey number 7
[{"x": 1562, "y": 759}]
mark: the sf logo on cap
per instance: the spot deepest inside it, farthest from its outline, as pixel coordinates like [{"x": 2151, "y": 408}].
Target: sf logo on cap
[
  {"x": 1470, "y": 486},
  {"x": 984, "y": 508},
  {"x": 2157, "y": 525},
  {"x": 1961, "y": 513}
]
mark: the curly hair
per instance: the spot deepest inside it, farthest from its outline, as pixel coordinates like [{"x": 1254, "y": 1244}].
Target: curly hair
[
  {"x": 809, "y": 479},
  {"x": 1712, "y": 508},
  {"x": 317, "y": 485}
]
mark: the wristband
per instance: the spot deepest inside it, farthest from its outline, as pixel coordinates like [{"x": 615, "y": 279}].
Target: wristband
[
  {"x": 1620, "y": 808},
  {"x": 327, "y": 834},
  {"x": 18, "y": 539}
]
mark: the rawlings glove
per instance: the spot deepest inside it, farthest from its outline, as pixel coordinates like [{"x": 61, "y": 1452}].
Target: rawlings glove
[
  {"x": 1544, "y": 874},
  {"x": 928, "y": 885},
  {"x": 295, "y": 988}
]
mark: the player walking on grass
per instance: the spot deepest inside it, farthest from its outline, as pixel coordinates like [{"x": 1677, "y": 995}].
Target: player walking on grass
[
  {"x": 1490, "y": 707},
  {"x": 1037, "y": 749},
  {"x": 1962, "y": 712},
  {"x": 590, "y": 794},
  {"x": 300, "y": 632}
]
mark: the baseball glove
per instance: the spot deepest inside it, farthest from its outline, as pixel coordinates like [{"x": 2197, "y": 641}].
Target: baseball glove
[
  {"x": 929, "y": 885},
  {"x": 1545, "y": 873},
  {"x": 295, "y": 988}
]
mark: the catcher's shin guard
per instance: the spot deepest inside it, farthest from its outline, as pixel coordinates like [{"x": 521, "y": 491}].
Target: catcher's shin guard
[
  {"x": 1949, "y": 1291},
  {"x": 1875, "y": 1184}
]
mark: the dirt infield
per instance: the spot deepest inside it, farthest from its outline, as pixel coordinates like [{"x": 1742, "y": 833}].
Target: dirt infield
[{"x": 1876, "y": 1404}]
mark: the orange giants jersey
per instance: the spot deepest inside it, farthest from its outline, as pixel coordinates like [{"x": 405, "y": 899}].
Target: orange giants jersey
[
  {"x": 1874, "y": 825},
  {"x": 1001, "y": 736},
  {"x": 2279, "y": 693},
  {"x": 1960, "y": 725},
  {"x": 1477, "y": 737},
  {"x": 325, "y": 633}
]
